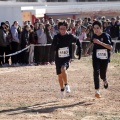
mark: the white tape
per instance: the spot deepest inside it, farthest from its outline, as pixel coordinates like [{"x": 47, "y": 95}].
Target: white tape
[
  {"x": 24, "y": 49},
  {"x": 15, "y": 52},
  {"x": 41, "y": 44}
]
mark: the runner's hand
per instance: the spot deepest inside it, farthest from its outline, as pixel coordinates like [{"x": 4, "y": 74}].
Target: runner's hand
[
  {"x": 86, "y": 52},
  {"x": 96, "y": 41}
]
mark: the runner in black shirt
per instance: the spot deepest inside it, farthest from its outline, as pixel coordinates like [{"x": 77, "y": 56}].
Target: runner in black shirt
[
  {"x": 62, "y": 45},
  {"x": 101, "y": 55}
]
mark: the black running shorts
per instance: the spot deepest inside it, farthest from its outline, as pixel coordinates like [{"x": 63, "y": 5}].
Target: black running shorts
[{"x": 58, "y": 67}]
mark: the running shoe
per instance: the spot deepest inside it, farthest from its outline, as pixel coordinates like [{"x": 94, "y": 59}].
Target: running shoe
[
  {"x": 62, "y": 94},
  {"x": 105, "y": 84},
  {"x": 67, "y": 89},
  {"x": 97, "y": 95}
]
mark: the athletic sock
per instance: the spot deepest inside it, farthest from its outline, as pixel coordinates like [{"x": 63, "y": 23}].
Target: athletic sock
[
  {"x": 62, "y": 90},
  {"x": 66, "y": 84},
  {"x": 98, "y": 91}
]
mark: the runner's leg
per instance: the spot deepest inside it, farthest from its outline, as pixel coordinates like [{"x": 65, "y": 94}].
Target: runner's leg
[
  {"x": 64, "y": 74},
  {"x": 65, "y": 77},
  {"x": 60, "y": 79}
]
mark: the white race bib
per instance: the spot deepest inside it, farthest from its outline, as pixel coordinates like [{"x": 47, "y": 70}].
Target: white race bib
[
  {"x": 102, "y": 54},
  {"x": 63, "y": 52}
]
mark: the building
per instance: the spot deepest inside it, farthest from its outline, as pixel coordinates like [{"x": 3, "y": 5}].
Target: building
[
  {"x": 22, "y": 11},
  {"x": 61, "y": 0}
]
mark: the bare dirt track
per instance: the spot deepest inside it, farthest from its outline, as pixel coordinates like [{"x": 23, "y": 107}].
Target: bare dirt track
[{"x": 32, "y": 93}]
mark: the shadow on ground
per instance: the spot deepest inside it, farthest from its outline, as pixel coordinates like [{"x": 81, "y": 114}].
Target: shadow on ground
[{"x": 46, "y": 107}]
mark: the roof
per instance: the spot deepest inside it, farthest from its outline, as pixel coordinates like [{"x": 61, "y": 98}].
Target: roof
[{"x": 67, "y": 7}]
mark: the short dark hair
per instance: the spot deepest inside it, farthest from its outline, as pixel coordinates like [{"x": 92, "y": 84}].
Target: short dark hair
[
  {"x": 89, "y": 19},
  {"x": 63, "y": 23},
  {"x": 32, "y": 27},
  {"x": 113, "y": 18},
  {"x": 97, "y": 23},
  {"x": 3, "y": 23},
  {"x": 85, "y": 18}
]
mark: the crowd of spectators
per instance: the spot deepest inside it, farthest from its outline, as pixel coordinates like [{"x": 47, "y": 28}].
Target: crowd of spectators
[{"x": 40, "y": 35}]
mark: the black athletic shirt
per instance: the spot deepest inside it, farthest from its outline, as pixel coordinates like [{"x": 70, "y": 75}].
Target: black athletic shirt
[
  {"x": 65, "y": 41},
  {"x": 105, "y": 38}
]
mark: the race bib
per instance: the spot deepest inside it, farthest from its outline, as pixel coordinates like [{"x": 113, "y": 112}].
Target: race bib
[
  {"x": 63, "y": 52},
  {"x": 102, "y": 54}
]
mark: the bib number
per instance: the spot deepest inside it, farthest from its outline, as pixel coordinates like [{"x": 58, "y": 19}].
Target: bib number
[
  {"x": 102, "y": 54},
  {"x": 63, "y": 52}
]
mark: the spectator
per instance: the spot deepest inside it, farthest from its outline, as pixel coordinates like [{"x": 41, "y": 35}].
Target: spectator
[
  {"x": 77, "y": 32},
  {"x": 15, "y": 42},
  {"x": 49, "y": 55},
  {"x": 32, "y": 43},
  {"x": 89, "y": 32},
  {"x": 8, "y": 47},
  {"x": 53, "y": 31},
  {"x": 36, "y": 27},
  {"x": 51, "y": 21},
  {"x": 56, "y": 25},
  {"x": 83, "y": 34},
  {"x": 46, "y": 21},
  {"x": 118, "y": 20},
  {"x": 3, "y": 43},
  {"x": 85, "y": 22},
  {"x": 83, "y": 37},
  {"x": 40, "y": 50},
  {"x": 69, "y": 23},
  {"x": 106, "y": 27},
  {"x": 114, "y": 32},
  {"x": 24, "y": 44}
]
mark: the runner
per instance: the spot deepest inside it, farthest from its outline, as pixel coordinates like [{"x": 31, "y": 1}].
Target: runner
[
  {"x": 101, "y": 55},
  {"x": 62, "y": 45}
]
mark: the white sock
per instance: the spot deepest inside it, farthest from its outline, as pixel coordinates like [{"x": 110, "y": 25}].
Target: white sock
[{"x": 98, "y": 91}]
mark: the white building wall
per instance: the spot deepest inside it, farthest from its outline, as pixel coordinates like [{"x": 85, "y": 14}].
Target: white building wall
[{"x": 11, "y": 14}]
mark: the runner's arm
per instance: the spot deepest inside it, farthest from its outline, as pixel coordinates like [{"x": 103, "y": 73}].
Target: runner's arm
[
  {"x": 89, "y": 46},
  {"x": 79, "y": 49},
  {"x": 76, "y": 40},
  {"x": 102, "y": 44}
]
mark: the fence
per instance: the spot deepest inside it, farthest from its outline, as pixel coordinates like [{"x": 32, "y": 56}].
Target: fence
[{"x": 74, "y": 47}]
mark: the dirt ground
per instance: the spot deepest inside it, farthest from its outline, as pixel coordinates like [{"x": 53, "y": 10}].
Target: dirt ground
[{"x": 33, "y": 93}]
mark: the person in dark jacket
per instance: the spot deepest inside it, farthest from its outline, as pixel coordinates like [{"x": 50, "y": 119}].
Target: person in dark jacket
[
  {"x": 49, "y": 54},
  {"x": 8, "y": 45},
  {"x": 24, "y": 44},
  {"x": 32, "y": 42},
  {"x": 114, "y": 32},
  {"x": 3, "y": 41},
  {"x": 62, "y": 46}
]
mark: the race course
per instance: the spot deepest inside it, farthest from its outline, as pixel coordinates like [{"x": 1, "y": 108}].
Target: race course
[{"x": 33, "y": 93}]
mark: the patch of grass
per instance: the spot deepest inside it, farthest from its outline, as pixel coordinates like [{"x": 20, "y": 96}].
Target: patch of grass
[
  {"x": 115, "y": 58},
  {"x": 22, "y": 104},
  {"x": 98, "y": 115},
  {"x": 115, "y": 118}
]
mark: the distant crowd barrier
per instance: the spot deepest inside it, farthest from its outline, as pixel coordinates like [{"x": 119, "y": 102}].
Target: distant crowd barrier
[
  {"x": 24, "y": 50},
  {"x": 84, "y": 46},
  {"x": 116, "y": 45},
  {"x": 15, "y": 52}
]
